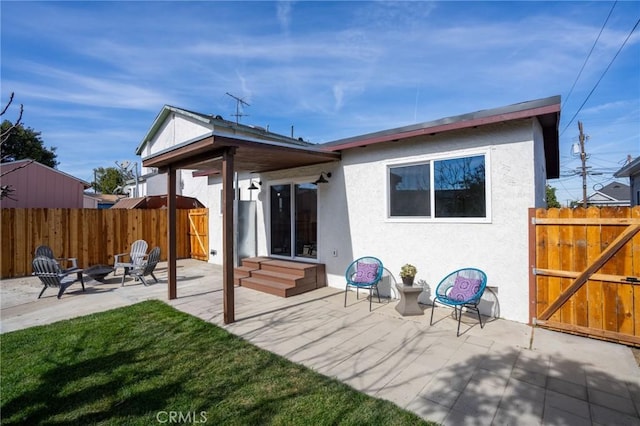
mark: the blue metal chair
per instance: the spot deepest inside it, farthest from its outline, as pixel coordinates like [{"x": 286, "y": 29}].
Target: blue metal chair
[
  {"x": 365, "y": 272},
  {"x": 461, "y": 289}
]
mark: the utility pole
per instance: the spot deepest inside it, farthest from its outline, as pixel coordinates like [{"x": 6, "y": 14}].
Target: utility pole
[{"x": 583, "y": 158}]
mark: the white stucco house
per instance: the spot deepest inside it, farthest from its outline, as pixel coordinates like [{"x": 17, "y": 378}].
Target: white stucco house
[{"x": 440, "y": 195}]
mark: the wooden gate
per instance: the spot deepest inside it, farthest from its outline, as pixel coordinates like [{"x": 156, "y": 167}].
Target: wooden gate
[
  {"x": 585, "y": 276},
  {"x": 199, "y": 233}
]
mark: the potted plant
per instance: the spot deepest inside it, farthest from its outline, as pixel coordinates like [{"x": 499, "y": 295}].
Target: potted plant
[{"x": 408, "y": 273}]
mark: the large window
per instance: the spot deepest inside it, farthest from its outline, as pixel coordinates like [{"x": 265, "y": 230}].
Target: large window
[
  {"x": 410, "y": 190},
  {"x": 447, "y": 188}
]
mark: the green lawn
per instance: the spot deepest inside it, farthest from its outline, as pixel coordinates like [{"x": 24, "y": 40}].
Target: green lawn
[{"x": 151, "y": 364}]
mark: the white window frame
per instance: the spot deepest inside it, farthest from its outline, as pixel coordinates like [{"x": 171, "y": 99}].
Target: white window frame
[{"x": 430, "y": 159}]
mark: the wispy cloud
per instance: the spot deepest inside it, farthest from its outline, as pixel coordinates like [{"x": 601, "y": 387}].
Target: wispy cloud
[
  {"x": 101, "y": 71},
  {"x": 284, "y": 14}
]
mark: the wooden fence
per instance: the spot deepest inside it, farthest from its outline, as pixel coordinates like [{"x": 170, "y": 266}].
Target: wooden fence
[
  {"x": 586, "y": 271},
  {"x": 93, "y": 236}
]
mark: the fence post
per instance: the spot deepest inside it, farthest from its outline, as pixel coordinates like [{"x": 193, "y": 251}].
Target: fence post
[{"x": 532, "y": 264}]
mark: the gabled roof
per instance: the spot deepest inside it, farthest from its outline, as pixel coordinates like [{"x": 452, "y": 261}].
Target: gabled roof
[
  {"x": 27, "y": 162},
  {"x": 631, "y": 169},
  {"x": 615, "y": 191},
  {"x": 260, "y": 151},
  {"x": 547, "y": 111},
  {"x": 218, "y": 125}
]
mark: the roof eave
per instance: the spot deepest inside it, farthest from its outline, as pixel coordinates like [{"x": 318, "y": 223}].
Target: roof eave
[
  {"x": 198, "y": 153},
  {"x": 538, "y": 108},
  {"x": 546, "y": 110},
  {"x": 630, "y": 169}
]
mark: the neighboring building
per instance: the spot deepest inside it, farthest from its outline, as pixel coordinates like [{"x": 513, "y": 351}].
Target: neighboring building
[
  {"x": 157, "y": 202},
  {"x": 100, "y": 201},
  {"x": 36, "y": 185},
  {"x": 90, "y": 200},
  {"x": 611, "y": 195},
  {"x": 441, "y": 195},
  {"x": 632, "y": 171}
]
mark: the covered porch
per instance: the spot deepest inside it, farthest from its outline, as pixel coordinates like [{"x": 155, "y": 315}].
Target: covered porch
[{"x": 224, "y": 154}]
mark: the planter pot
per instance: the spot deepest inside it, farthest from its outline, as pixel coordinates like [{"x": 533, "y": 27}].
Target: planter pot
[{"x": 407, "y": 280}]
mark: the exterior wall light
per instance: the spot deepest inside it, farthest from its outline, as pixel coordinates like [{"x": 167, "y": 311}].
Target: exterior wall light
[{"x": 322, "y": 179}]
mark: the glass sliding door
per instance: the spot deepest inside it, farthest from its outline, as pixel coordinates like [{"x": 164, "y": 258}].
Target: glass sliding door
[
  {"x": 294, "y": 220},
  {"x": 306, "y": 226},
  {"x": 281, "y": 220}
]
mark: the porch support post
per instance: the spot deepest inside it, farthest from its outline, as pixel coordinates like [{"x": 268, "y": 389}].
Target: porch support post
[
  {"x": 227, "y": 236},
  {"x": 171, "y": 232}
]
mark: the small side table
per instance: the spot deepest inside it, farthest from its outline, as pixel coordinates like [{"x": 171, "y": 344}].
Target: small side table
[{"x": 408, "y": 304}]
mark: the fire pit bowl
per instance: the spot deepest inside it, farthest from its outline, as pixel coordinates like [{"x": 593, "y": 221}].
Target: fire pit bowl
[{"x": 98, "y": 272}]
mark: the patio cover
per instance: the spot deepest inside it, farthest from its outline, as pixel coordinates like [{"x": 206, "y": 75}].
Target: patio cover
[{"x": 225, "y": 154}]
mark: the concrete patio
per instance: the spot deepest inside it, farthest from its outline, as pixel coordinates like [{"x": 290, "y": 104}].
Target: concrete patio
[{"x": 504, "y": 374}]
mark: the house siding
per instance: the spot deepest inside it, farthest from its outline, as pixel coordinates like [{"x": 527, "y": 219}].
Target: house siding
[
  {"x": 540, "y": 169},
  {"x": 352, "y": 207},
  {"x": 352, "y": 212},
  {"x": 177, "y": 129},
  {"x": 500, "y": 248}
]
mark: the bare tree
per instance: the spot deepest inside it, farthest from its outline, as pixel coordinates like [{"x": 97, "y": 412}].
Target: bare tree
[
  {"x": 5, "y": 135},
  {"x": 6, "y": 191}
]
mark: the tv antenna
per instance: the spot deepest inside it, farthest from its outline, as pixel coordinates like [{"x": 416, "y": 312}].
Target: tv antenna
[{"x": 239, "y": 103}]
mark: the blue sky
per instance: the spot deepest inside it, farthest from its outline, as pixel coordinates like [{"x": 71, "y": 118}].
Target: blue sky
[{"x": 93, "y": 75}]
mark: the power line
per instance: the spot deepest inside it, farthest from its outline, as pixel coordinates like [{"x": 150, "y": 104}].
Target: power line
[
  {"x": 602, "y": 76},
  {"x": 590, "y": 52}
]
